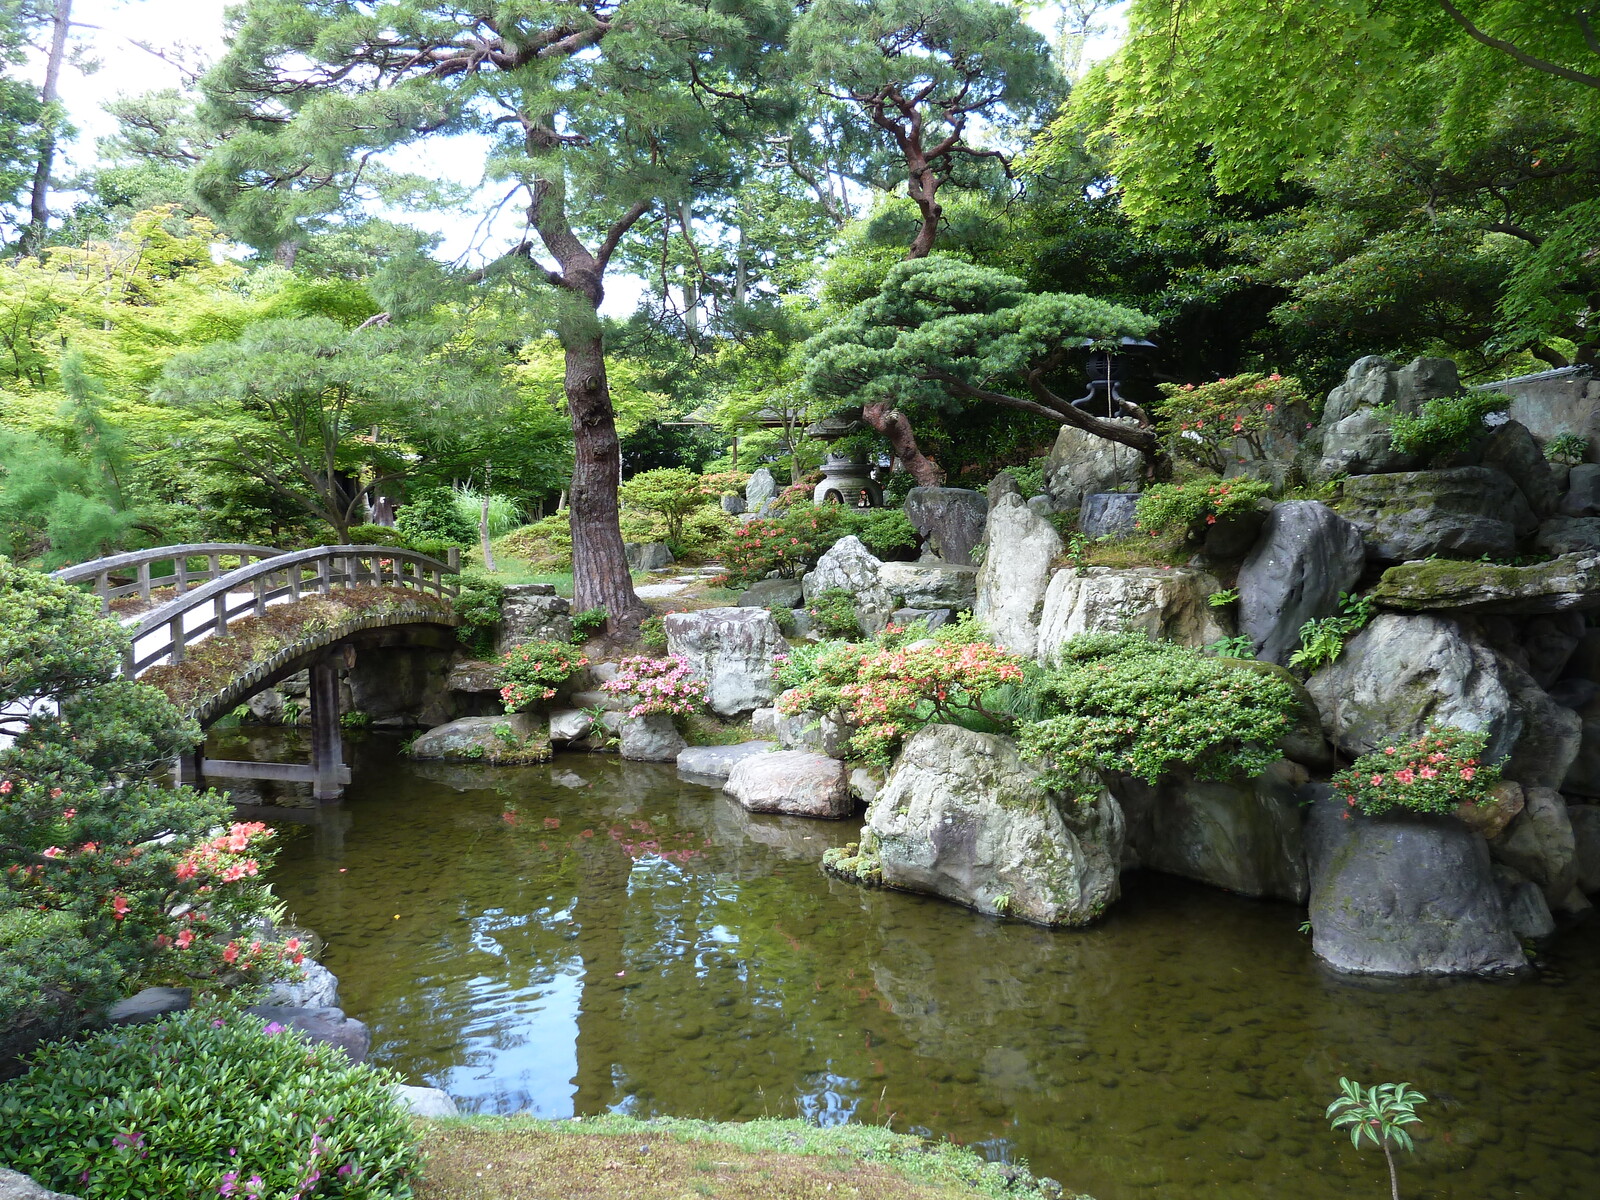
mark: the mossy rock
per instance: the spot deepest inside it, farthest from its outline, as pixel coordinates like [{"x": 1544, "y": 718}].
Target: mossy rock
[{"x": 1444, "y": 585}]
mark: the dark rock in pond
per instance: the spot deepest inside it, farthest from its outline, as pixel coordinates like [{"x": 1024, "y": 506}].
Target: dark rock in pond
[
  {"x": 16, "y": 1186},
  {"x": 1526, "y": 909},
  {"x": 1306, "y": 556},
  {"x": 1567, "y": 535},
  {"x": 717, "y": 762},
  {"x": 1108, "y": 514},
  {"x": 653, "y": 738},
  {"x": 1403, "y": 894},
  {"x": 1539, "y": 845},
  {"x": 962, "y": 817},
  {"x": 148, "y": 1005},
  {"x": 511, "y": 738},
  {"x": 570, "y": 724},
  {"x": 796, "y": 783},
  {"x": 1582, "y": 498},
  {"x": 532, "y": 612},
  {"x": 648, "y": 556},
  {"x": 1562, "y": 584},
  {"x": 733, "y": 650},
  {"x": 773, "y": 593},
  {"x": 329, "y": 1025},
  {"x": 1464, "y": 511},
  {"x": 1242, "y": 836},
  {"x": 949, "y": 520}
]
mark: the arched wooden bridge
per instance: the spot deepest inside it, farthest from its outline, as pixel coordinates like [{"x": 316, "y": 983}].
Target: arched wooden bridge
[{"x": 207, "y": 589}]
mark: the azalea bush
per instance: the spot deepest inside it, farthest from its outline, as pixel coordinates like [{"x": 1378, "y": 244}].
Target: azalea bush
[
  {"x": 1205, "y": 422},
  {"x": 532, "y": 672},
  {"x": 213, "y": 1102},
  {"x": 1435, "y": 773},
  {"x": 108, "y": 874},
  {"x": 787, "y": 544},
  {"x": 888, "y": 692},
  {"x": 657, "y": 685},
  {"x": 1121, "y": 703},
  {"x": 1187, "y": 508}
]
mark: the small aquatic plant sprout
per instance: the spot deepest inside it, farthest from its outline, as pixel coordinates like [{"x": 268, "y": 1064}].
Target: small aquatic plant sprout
[
  {"x": 1379, "y": 1114},
  {"x": 657, "y": 685}
]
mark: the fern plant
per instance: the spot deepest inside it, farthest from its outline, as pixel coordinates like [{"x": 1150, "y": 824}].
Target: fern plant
[
  {"x": 1322, "y": 639},
  {"x": 1380, "y": 1115}
]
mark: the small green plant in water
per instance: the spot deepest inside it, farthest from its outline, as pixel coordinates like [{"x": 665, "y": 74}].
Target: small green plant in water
[{"x": 1380, "y": 1115}]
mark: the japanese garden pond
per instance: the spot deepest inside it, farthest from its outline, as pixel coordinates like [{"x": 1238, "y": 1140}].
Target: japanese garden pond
[{"x": 592, "y": 935}]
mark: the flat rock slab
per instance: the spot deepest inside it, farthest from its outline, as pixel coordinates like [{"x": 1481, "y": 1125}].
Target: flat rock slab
[
  {"x": 424, "y": 1101},
  {"x": 717, "y": 762},
  {"x": 149, "y": 1005},
  {"x": 328, "y": 1025},
  {"x": 794, "y": 782},
  {"x": 1562, "y": 584}
]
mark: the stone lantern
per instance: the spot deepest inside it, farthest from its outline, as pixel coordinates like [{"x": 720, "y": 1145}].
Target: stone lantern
[
  {"x": 1107, "y": 369},
  {"x": 846, "y": 476}
]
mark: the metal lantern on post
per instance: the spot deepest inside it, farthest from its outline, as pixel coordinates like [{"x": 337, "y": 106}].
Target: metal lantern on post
[
  {"x": 846, "y": 476},
  {"x": 1107, "y": 370}
]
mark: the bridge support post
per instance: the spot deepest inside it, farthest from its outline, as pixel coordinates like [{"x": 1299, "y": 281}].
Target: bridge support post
[
  {"x": 327, "y": 748},
  {"x": 186, "y": 767}
]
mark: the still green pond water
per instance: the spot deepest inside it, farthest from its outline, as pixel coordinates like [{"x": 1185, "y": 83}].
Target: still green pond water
[{"x": 594, "y": 935}]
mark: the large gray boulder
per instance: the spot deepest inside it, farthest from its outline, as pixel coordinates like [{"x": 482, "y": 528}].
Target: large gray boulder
[
  {"x": 1160, "y": 602},
  {"x": 317, "y": 987},
  {"x": 760, "y": 492},
  {"x": 1568, "y": 583},
  {"x": 1081, "y": 464},
  {"x": 733, "y": 651},
  {"x": 1401, "y": 673},
  {"x": 532, "y": 612},
  {"x": 1512, "y": 449},
  {"x": 1356, "y": 433},
  {"x": 512, "y": 738},
  {"x": 717, "y": 762},
  {"x": 796, "y": 783},
  {"x": 1015, "y": 574},
  {"x": 1585, "y": 822},
  {"x": 1108, "y": 514},
  {"x": 1582, "y": 498},
  {"x": 1403, "y": 894},
  {"x": 773, "y": 593},
  {"x": 930, "y": 584},
  {"x": 648, "y": 556},
  {"x": 323, "y": 1024},
  {"x": 1244, "y": 836},
  {"x": 652, "y": 738},
  {"x": 949, "y": 520},
  {"x": 1463, "y": 511},
  {"x": 570, "y": 725},
  {"x": 849, "y": 565},
  {"x": 1306, "y": 556},
  {"x": 822, "y": 733},
  {"x": 1568, "y": 535},
  {"x": 1539, "y": 845},
  {"x": 428, "y": 1102},
  {"x": 964, "y": 818},
  {"x": 16, "y": 1186}
]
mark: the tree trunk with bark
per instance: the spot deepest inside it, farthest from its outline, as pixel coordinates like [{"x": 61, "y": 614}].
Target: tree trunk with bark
[
  {"x": 892, "y": 424},
  {"x": 39, "y": 197}
]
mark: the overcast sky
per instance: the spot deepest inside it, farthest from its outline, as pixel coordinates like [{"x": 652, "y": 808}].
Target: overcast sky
[{"x": 190, "y": 30}]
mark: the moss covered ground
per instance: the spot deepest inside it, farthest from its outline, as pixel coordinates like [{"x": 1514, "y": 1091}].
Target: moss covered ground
[{"x": 622, "y": 1158}]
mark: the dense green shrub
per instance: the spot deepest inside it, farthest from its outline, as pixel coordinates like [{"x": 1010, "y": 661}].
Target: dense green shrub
[
  {"x": 546, "y": 545},
  {"x": 1206, "y": 422},
  {"x": 834, "y": 611},
  {"x": 478, "y": 606},
  {"x": 1435, "y": 773},
  {"x": 799, "y": 666},
  {"x": 504, "y": 515},
  {"x": 887, "y": 532},
  {"x": 670, "y": 492},
  {"x": 533, "y": 671},
  {"x": 207, "y": 1103},
  {"x": 50, "y": 974},
  {"x": 653, "y": 633},
  {"x": 91, "y": 830},
  {"x": 434, "y": 514},
  {"x": 1030, "y": 476},
  {"x": 1567, "y": 449},
  {"x": 1187, "y": 508},
  {"x": 1444, "y": 425},
  {"x": 1122, "y": 703}
]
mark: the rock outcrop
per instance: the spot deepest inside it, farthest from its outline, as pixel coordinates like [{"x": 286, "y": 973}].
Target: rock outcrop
[
  {"x": 1081, "y": 464},
  {"x": 16, "y": 1186},
  {"x": 1404, "y": 895},
  {"x": 1539, "y": 845},
  {"x": 1108, "y": 514},
  {"x": 733, "y": 651},
  {"x": 1306, "y": 556},
  {"x": 652, "y": 738},
  {"x": 1571, "y": 582},
  {"x": 930, "y": 585},
  {"x": 1160, "y": 602},
  {"x": 850, "y": 566},
  {"x": 1355, "y": 433},
  {"x": 964, "y": 818},
  {"x": 1463, "y": 511},
  {"x": 950, "y": 521},
  {"x": 1015, "y": 574},
  {"x": 773, "y": 593},
  {"x": 795, "y": 783},
  {"x": 532, "y": 612},
  {"x": 717, "y": 762}
]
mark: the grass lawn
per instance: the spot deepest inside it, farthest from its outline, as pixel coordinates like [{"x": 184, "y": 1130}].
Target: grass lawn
[{"x": 621, "y": 1158}]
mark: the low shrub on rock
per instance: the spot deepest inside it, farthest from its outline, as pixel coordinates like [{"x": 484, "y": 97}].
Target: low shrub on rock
[
  {"x": 1205, "y": 422},
  {"x": 533, "y": 671},
  {"x": 1187, "y": 508},
  {"x": 834, "y": 611},
  {"x": 212, "y": 1102},
  {"x": 1435, "y": 773},
  {"x": 1120, "y": 703}
]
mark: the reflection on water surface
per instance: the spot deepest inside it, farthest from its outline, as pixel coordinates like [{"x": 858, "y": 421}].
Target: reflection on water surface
[{"x": 594, "y": 935}]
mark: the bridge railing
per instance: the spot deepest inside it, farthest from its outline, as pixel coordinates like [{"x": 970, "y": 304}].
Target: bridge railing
[
  {"x": 207, "y": 610},
  {"x": 140, "y": 563}
]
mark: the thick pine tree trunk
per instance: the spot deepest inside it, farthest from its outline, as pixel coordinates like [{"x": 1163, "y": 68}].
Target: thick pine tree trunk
[
  {"x": 599, "y": 563},
  {"x": 39, "y": 195}
]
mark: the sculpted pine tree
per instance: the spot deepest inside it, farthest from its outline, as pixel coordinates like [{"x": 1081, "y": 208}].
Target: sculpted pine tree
[
  {"x": 603, "y": 114},
  {"x": 942, "y": 333},
  {"x": 924, "y": 75}
]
